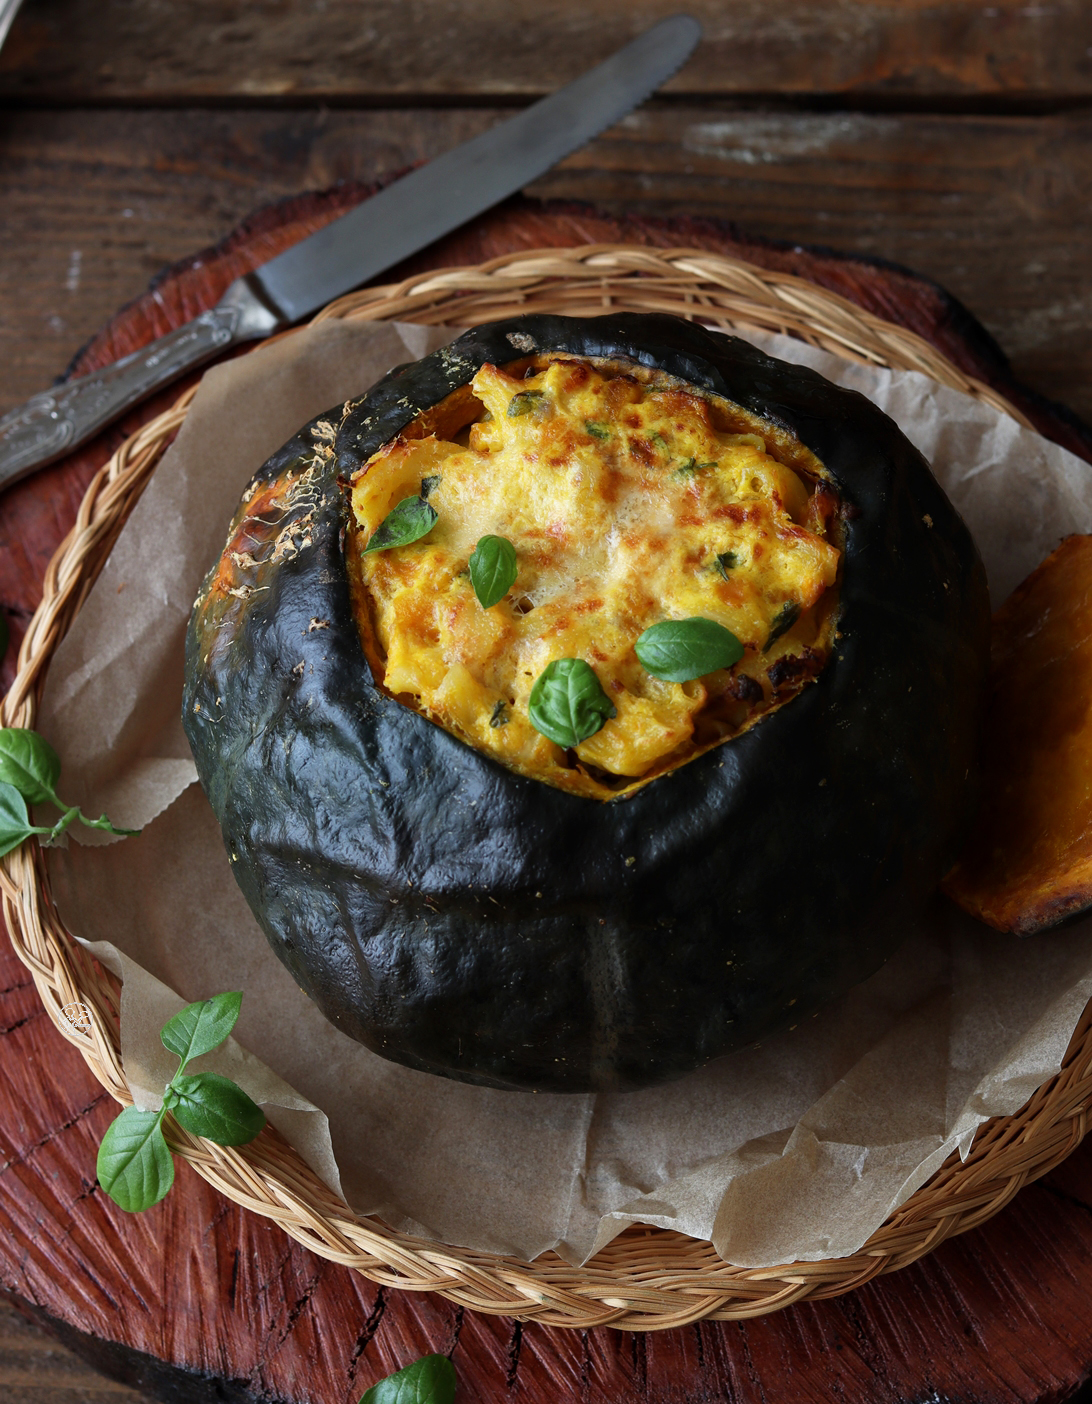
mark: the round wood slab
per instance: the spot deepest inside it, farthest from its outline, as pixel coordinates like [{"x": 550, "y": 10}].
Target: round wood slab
[{"x": 196, "y": 1300}]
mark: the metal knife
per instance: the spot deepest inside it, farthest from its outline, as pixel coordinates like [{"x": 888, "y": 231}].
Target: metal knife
[{"x": 404, "y": 217}]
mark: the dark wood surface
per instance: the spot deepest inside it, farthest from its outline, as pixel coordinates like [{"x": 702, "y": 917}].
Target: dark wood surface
[
  {"x": 994, "y": 208},
  {"x": 384, "y": 52},
  {"x": 954, "y": 138}
]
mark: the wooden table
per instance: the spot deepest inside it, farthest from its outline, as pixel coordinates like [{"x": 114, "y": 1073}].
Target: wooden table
[{"x": 952, "y": 137}]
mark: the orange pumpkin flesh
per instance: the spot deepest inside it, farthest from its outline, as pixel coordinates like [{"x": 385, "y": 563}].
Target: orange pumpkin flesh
[{"x": 1028, "y": 864}]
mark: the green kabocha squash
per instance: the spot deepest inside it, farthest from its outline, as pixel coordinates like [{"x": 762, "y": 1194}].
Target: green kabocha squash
[{"x": 466, "y": 919}]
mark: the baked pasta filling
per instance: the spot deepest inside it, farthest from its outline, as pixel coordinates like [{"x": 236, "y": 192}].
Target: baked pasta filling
[{"x": 622, "y": 501}]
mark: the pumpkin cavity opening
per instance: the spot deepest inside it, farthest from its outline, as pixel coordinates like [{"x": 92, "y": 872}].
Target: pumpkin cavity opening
[{"x": 630, "y": 499}]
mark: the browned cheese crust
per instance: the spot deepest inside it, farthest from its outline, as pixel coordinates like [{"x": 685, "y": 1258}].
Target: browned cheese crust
[{"x": 630, "y": 499}]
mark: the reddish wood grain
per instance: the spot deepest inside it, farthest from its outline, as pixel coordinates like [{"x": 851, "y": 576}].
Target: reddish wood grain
[{"x": 198, "y": 1300}]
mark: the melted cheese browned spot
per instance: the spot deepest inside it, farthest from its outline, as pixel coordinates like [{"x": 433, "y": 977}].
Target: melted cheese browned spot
[{"x": 629, "y": 500}]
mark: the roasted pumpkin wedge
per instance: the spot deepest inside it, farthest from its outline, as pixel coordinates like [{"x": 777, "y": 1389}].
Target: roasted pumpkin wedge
[
  {"x": 1028, "y": 863},
  {"x": 566, "y": 856}
]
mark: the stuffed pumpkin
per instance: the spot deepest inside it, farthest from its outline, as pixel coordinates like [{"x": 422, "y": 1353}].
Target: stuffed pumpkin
[{"x": 587, "y": 700}]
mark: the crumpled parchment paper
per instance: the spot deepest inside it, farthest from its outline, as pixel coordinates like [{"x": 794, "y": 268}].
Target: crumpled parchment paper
[{"x": 797, "y": 1149}]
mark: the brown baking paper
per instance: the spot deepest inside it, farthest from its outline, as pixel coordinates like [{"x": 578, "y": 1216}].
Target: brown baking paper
[{"x": 798, "y": 1149}]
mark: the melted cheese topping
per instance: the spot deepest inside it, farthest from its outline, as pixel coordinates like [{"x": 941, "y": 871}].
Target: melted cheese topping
[{"x": 626, "y": 505}]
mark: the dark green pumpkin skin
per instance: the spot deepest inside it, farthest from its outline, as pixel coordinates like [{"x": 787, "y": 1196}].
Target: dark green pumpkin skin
[{"x": 467, "y": 921}]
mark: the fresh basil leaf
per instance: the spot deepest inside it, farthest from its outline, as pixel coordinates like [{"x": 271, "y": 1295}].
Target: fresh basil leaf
[
  {"x": 429, "y": 485},
  {"x": 677, "y": 650},
  {"x": 210, "y": 1105},
  {"x": 15, "y": 825},
  {"x": 726, "y": 561},
  {"x": 597, "y": 431},
  {"x": 782, "y": 622},
  {"x": 568, "y": 703},
  {"x": 526, "y": 402},
  {"x": 135, "y": 1167},
  {"x": 409, "y": 521},
  {"x": 30, "y": 763},
  {"x": 201, "y": 1027},
  {"x": 430, "y": 1380},
  {"x": 103, "y": 823},
  {"x": 493, "y": 569},
  {"x": 32, "y": 766}
]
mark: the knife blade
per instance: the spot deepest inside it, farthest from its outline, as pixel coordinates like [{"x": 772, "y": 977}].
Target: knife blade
[{"x": 400, "y": 220}]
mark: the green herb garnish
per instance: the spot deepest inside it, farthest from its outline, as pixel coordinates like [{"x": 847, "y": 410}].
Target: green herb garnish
[
  {"x": 568, "y": 703},
  {"x": 409, "y": 521},
  {"x": 135, "y": 1166},
  {"x": 430, "y": 1380},
  {"x": 29, "y": 771},
  {"x": 677, "y": 650},
  {"x": 597, "y": 431},
  {"x": 782, "y": 622},
  {"x": 526, "y": 402},
  {"x": 689, "y": 466},
  {"x": 493, "y": 569},
  {"x": 726, "y": 561},
  {"x": 500, "y": 713},
  {"x": 15, "y": 825},
  {"x": 429, "y": 485}
]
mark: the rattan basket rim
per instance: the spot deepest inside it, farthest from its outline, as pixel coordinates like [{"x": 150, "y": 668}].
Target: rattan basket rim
[{"x": 647, "y": 1278}]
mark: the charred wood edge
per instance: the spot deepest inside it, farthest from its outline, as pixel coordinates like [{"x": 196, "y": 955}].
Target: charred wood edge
[
  {"x": 170, "y": 1384},
  {"x": 1083, "y": 1393},
  {"x": 175, "y": 1384},
  {"x": 989, "y": 361}
]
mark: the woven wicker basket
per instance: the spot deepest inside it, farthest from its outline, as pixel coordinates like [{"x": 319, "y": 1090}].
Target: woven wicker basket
[{"x": 647, "y": 1279}]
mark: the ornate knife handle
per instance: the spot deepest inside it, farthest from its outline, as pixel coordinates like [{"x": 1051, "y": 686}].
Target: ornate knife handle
[{"x": 59, "y": 420}]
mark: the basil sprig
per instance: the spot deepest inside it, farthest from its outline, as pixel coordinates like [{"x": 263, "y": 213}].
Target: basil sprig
[
  {"x": 677, "y": 650},
  {"x": 568, "y": 703},
  {"x": 135, "y": 1166},
  {"x": 493, "y": 569},
  {"x": 29, "y": 771},
  {"x": 409, "y": 521},
  {"x": 526, "y": 402},
  {"x": 15, "y": 825},
  {"x": 430, "y": 1380},
  {"x": 781, "y": 623}
]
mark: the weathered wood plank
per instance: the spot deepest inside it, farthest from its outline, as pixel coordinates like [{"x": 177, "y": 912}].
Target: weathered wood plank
[
  {"x": 380, "y": 50},
  {"x": 36, "y": 1368},
  {"x": 996, "y": 209}
]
